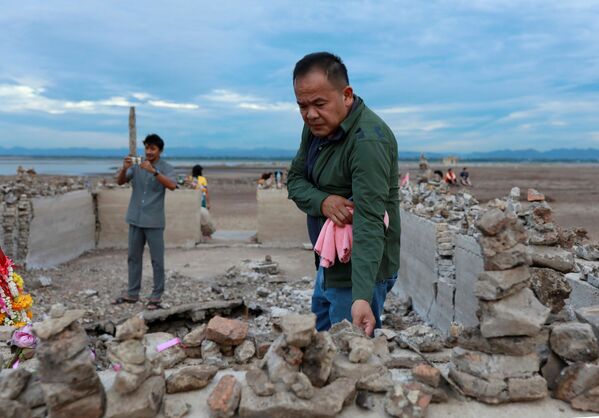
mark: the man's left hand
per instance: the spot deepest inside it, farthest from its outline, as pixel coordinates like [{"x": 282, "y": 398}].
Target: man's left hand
[
  {"x": 146, "y": 165},
  {"x": 362, "y": 316}
]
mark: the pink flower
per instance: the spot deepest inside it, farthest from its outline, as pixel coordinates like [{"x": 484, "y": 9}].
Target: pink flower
[{"x": 24, "y": 338}]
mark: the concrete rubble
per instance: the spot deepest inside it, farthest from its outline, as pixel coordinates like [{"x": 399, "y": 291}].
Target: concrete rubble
[
  {"x": 139, "y": 385},
  {"x": 526, "y": 336}
]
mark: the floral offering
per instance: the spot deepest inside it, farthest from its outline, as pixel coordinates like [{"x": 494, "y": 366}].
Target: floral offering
[{"x": 15, "y": 305}]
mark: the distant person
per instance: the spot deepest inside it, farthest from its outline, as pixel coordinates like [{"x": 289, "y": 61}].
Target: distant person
[
  {"x": 145, "y": 216},
  {"x": 465, "y": 177},
  {"x": 200, "y": 183},
  {"x": 266, "y": 180},
  {"x": 450, "y": 178},
  {"x": 278, "y": 178},
  {"x": 438, "y": 176}
]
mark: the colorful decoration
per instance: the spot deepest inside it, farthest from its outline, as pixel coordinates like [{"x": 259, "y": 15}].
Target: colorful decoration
[{"x": 15, "y": 305}]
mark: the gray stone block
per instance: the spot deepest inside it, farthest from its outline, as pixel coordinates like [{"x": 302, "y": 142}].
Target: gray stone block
[
  {"x": 583, "y": 294},
  {"x": 469, "y": 264}
]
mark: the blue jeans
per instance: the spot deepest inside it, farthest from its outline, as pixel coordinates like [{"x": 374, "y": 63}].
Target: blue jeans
[{"x": 333, "y": 305}]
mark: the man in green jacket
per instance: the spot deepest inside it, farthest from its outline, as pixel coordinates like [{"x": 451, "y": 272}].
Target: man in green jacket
[{"x": 347, "y": 159}]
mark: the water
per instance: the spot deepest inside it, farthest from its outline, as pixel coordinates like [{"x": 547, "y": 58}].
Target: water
[{"x": 76, "y": 166}]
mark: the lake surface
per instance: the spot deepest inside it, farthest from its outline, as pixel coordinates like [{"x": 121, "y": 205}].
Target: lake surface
[{"x": 73, "y": 166}]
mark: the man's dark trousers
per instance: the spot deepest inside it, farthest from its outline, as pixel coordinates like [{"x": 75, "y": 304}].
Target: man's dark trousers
[{"x": 137, "y": 240}]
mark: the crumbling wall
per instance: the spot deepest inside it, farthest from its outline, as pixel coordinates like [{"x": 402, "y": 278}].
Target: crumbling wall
[
  {"x": 17, "y": 213},
  {"x": 279, "y": 220},
  {"x": 182, "y": 222},
  {"x": 439, "y": 267},
  {"x": 62, "y": 228}
]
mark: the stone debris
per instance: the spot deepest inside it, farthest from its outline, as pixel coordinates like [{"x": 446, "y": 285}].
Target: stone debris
[
  {"x": 579, "y": 385},
  {"x": 588, "y": 252},
  {"x": 226, "y": 331},
  {"x": 365, "y": 400},
  {"x": 550, "y": 287},
  {"x": 514, "y": 315},
  {"x": 175, "y": 408},
  {"x": 494, "y": 285},
  {"x": 190, "y": 378},
  {"x": 427, "y": 374},
  {"x": 245, "y": 351},
  {"x": 133, "y": 329},
  {"x": 166, "y": 358},
  {"x": 326, "y": 402},
  {"x": 139, "y": 384},
  {"x": 552, "y": 257},
  {"x": 225, "y": 397},
  {"x": 404, "y": 403},
  {"x": 535, "y": 196},
  {"x": 66, "y": 373},
  {"x": 574, "y": 342},
  {"x": 424, "y": 337},
  {"x": 590, "y": 315},
  {"x": 497, "y": 362}
]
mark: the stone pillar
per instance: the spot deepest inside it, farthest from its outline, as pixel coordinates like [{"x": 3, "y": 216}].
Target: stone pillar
[
  {"x": 71, "y": 387},
  {"x": 132, "y": 133},
  {"x": 498, "y": 361}
]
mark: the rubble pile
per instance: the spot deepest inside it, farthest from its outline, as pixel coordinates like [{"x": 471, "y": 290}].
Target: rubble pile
[
  {"x": 21, "y": 394},
  {"x": 433, "y": 201},
  {"x": 66, "y": 371},
  {"x": 572, "y": 367},
  {"x": 551, "y": 253},
  {"x": 139, "y": 384},
  {"x": 499, "y": 361}
]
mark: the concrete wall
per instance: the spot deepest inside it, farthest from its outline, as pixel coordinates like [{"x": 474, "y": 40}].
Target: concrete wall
[
  {"x": 181, "y": 210},
  {"x": 438, "y": 297},
  {"x": 469, "y": 264},
  {"x": 62, "y": 228},
  {"x": 279, "y": 220},
  {"x": 417, "y": 273}
]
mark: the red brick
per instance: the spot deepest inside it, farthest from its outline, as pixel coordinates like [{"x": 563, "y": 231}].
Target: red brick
[
  {"x": 427, "y": 375},
  {"x": 226, "y": 331},
  {"x": 224, "y": 399}
]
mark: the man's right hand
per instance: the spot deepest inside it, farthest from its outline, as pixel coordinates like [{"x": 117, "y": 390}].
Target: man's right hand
[
  {"x": 127, "y": 163},
  {"x": 334, "y": 207}
]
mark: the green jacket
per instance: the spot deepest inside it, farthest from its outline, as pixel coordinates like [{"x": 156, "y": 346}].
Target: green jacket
[{"x": 363, "y": 165}]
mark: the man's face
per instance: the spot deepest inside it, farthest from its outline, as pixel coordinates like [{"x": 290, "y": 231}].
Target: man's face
[
  {"x": 322, "y": 105},
  {"x": 152, "y": 153}
]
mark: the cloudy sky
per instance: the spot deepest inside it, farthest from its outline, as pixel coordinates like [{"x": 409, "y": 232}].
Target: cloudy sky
[{"x": 461, "y": 75}]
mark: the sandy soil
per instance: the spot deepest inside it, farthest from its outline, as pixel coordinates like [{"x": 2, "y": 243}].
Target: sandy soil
[{"x": 571, "y": 190}]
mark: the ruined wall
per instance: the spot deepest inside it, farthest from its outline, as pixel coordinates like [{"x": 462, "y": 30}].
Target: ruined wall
[
  {"x": 438, "y": 269},
  {"x": 62, "y": 228},
  {"x": 279, "y": 220},
  {"x": 182, "y": 221}
]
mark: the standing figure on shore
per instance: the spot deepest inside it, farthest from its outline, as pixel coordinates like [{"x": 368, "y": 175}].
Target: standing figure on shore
[
  {"x": 346, "y": 170},
  {"x": 145, "y": 216},
  {"x": 200, "y": 183}
]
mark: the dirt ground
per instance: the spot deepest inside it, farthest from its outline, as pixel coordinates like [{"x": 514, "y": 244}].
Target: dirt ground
[{"x": 570, "y": 189}]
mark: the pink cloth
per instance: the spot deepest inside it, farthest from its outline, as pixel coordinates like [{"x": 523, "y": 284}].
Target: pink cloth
[
  {"x": 405, "y": 180},
  {"x": 336, "y": 242}
]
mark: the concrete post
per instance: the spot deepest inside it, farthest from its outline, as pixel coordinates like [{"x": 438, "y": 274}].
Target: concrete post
[{"x": 132, "y": 133}]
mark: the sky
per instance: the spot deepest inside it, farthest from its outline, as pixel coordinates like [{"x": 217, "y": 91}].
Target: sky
[{"x": 446, "y": 76}]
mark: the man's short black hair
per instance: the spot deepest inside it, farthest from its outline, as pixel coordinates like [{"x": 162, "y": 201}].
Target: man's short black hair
[
  {"x": 197, "y": 170},
  {"x": 330, "y": 64},
  {"x": 154, "y": 139}
]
